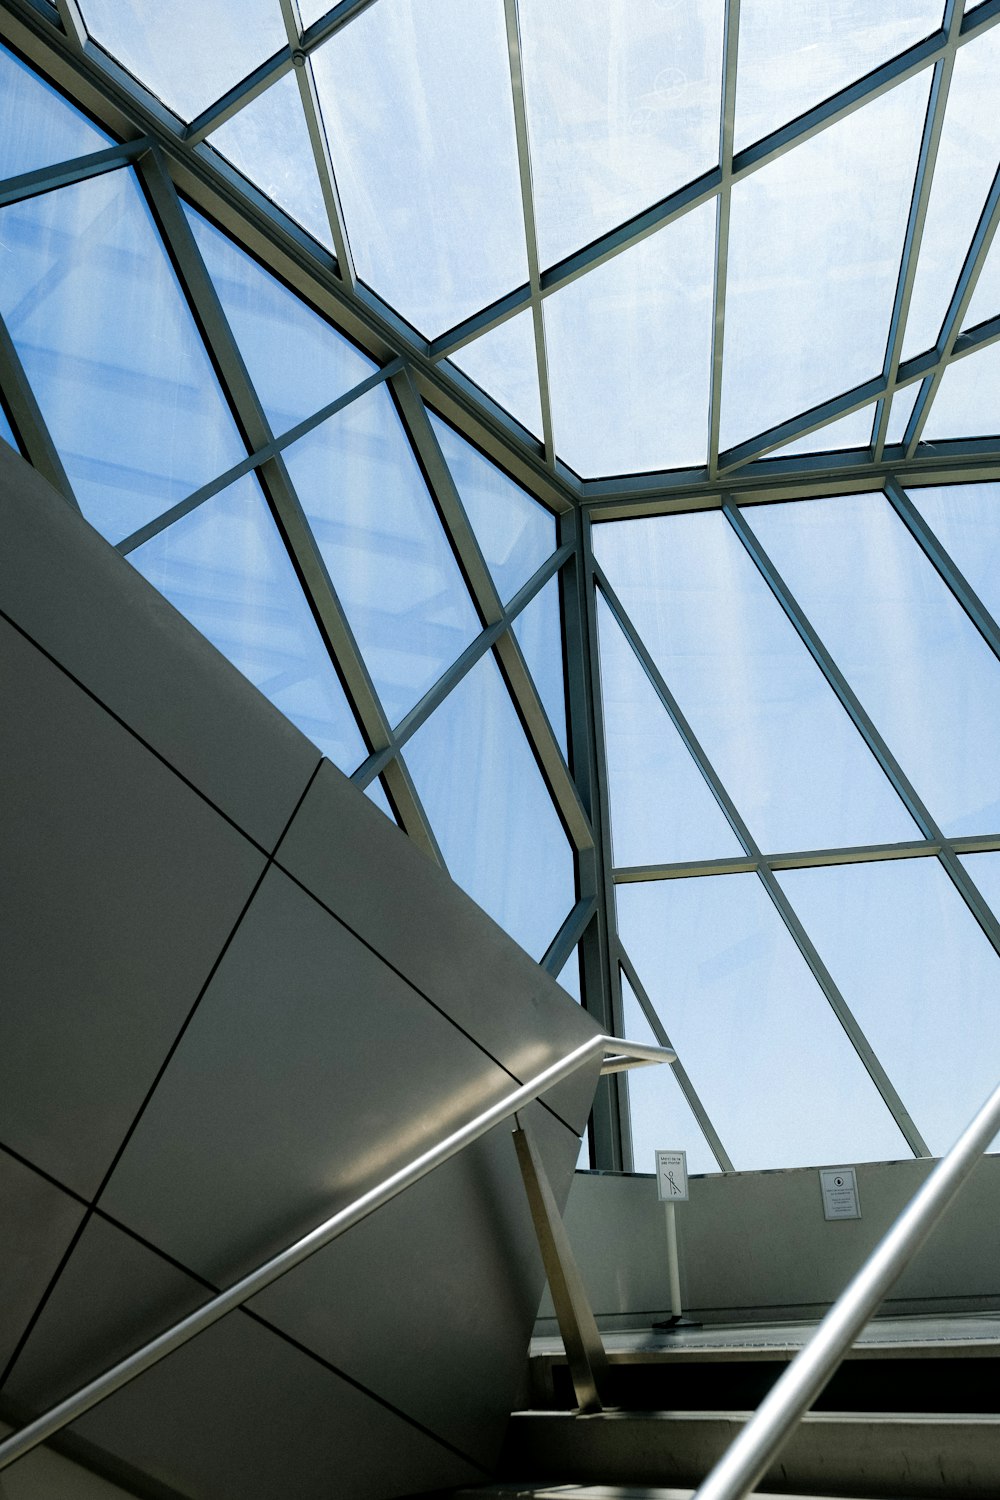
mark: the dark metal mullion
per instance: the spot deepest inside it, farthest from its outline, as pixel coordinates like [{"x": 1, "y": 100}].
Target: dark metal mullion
[
  {"x": 64, "y": 173},
  {"x": 687, "y": 1088},
  {"x": 730, "y": 53},
  {"x": 853, "y": 854},
  {"x": 566, "y": 940},
  {"x": 72, "y": 22},
  {"x": 781, "y": 902},
  {"x": 27, "y": 419}
]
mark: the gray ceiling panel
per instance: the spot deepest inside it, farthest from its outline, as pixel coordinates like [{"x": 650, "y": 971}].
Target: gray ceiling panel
[{"x": 38, "y": 1223}]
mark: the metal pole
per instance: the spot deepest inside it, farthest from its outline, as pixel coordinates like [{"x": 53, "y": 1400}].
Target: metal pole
[
  {"x": 746, "y": 1461},
  {"x": 672, "y": 1263}
]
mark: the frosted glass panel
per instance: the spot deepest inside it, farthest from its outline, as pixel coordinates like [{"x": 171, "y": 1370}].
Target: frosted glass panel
[
  {"x": 297, "y": 362},
  {"x": 37, "y": 125},
  {"x": 985, "y": 871},
  {"x": 908, "y": 650},
  {"x": 967, "y": 403},
  {"x": 538, "y": 629},
  {"x": 659, "y": 1114},
  {"x": 903, "y": 403},
  {"x": 494, "y": 820},
  {"x": 922, "y": 980},
  {"x": 504, "y": 364},
  {"x": 112, "y": 352},
  {"x": 966, "y": 518},
  {"x": 794, "y": 764},
  {"x": 771, "y": 1063},
  {"x": 629, "y": 349},
  {"x": 384, "y": 548},
  {"x": 225, "y": 568}
]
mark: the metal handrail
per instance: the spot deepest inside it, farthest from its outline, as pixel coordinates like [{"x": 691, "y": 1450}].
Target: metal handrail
[
  {"x": 620, "y": 1053},
  {"x": 748, "y": 1457}
]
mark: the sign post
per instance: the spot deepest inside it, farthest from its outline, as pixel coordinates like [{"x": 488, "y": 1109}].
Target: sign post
[{"x": 671, "y": 1189}]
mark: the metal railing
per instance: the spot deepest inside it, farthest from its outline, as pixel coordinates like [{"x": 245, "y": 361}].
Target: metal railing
[
  {"x": 771, "y": 1426},
  {"x": 618, "y": 1054}
]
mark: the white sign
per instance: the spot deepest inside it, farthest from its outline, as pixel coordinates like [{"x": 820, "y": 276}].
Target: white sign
[
  {"x": 672, "y": 1176},
  {"x": 839, "y": 1187}
]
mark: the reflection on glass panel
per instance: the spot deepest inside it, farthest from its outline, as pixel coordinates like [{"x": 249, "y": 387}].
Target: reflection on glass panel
[
  {"x": 629, "y": 348},
  {"x": 796, "y": 768},
  {"x": 569, "y": 975},
  {"x": 793, "y": 56},
  {"x": 516, "y": 534},
  {"x": 384, "y": 548},
  {"x": 494, "y": 820},
  {"x": 112, "y": 352},
  {"x": 417, "y": 103},
  {"x": 375, "y": 792},
  {"x": 905, "y": 645},
  {"x": 188, "y": 52},
  {"x": 901, "y": 411},
  {"x": 268, "y": 142},
  {"x": 967, "y": 403},
  {"x": 771, "y": 1063},
  {"x": 966, "y": 161},
  {"x": 225, "y": 568},
  {"x": 504, "y": 364},
  {"x": 659, "y": 1114},
  {"x": 661, "y": 808},
  {"x": 986, "y": 297},
  {"x": 37, "y": 125},
  {"x": 7, "y": 432},
  {"x": 966, "y": 519},
  {"x": 623, "y": 104},
  {"x": 814, "y": 254},
  {"x": 297, "y": 362},
  {"x": 539, "y": 634},
  {"x": 852, "y": 431},
  {"x": 920, "y": 977}
]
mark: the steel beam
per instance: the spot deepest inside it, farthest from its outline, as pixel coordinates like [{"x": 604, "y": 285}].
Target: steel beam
[
  {"x": 62, "y": 174},
  {"x": 730, "y": 54},
  {"x": 27, "y": 419},
  {"x": 566, "y": 940}
]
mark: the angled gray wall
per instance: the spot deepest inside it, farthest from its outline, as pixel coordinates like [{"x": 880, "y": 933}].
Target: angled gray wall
[{"x": 235, "y": 997}]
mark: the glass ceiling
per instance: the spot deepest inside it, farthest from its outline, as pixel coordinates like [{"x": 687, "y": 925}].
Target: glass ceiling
[{"x": 584, "y": 424}]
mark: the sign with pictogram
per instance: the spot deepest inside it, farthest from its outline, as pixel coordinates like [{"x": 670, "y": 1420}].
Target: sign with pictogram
[
  {"x": 672, "y": 1176},
  {"x": 839, "y": 1186}
]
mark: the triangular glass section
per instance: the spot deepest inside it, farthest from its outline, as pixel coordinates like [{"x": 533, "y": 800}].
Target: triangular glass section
[
  {"x": 629, "y": 351},
  {"x": 967, "y": 403},
  {"x": 384, "y": 548},
  {"x": 909, "y": 651},
  {"x": 768, "y": 1058},
  {"x": 375, "y": 792},
  {"x": 38, "y": 127},
  {"x": 225, "y": 568},
  {"x": 503, "y": 363},
  {"x": 783, "y": 747},
  {"x": 417, "y": 104},
  {"x": 515, "y": 533},
  {"x": 268, "y": 142},
  {"x": 660, "y": 1116},
  {"x": 112, "y": 352},
  {"x": 623, "y": 107},
  {"x": 792, "y": 56},
  {"x": 814, "y": 250},
  {"x": 662, "y": 811},
  {"x": 569, "y": 976},
  {"x": 538, "y": 629},
  {"x": 966, "y": 519},
  {"x": 852, "y": 431},
  {"x": 297, "y": 361},
  {"x": 985, "y": 871},
  {"x": 491, "y": 811},
  {"x": 986, "y": 298},
  {"x": 967, "y": 159},
  {"x": 7, "y": 432},
  {"x": 901, "y": 411},
  {"x": 186, "y": 52},
  {"x": 919, "y": 976}
]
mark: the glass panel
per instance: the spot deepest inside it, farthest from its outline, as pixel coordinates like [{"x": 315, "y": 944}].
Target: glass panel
[
  {"x": 629, "y": 349},
  {"x": 920, "y": 977},
  {"x": 660, "y": 1116},
  {"x": 504, "y": 364},
  {"x": 966, "y": 518},
  {"x": 493, "y": 817},
  {"x": 814, "y": 254},
  {"x": 188, "y": 52},
  {"x": 37, "y": 126},
  {"x": 967, "y": 403},
  {"x": 852, "y": 431},
  {"x": 903, "y": 403},
  {"x": 569, "y": 976},
  {"x": 225, "y": 568},
  {"x": 661, "y": 808},
  {"x": 516, "y": 534},
  {"x": 917, "y": 663},
  {"x": 539, "y": 634},
  {"x": 623, "y": 103},
  {"x": 375, "y": 792},
  {"x": 297, "y": 362},
  {"x": 770, "y": 1061},
  {"x": 418, "y": 111},
  {"x": 7, "y": 432},
  {"x": 789, "y": 756},
  {"x": 986, "y": 298},
  {"x": 985, "y": 871},
  {"x": 966, "y": 161},
  {"x": 268, "y": 141},
  {"x": 112, "y": 352},
  {"x": 384, "y": 547},
  {"x": 792, "y": 56}
]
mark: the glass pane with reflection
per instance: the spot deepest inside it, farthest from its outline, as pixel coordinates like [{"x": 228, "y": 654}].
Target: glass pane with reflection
[
  {"x": 38, "y": 127},
  {"x": 660, "y": 1117}
]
